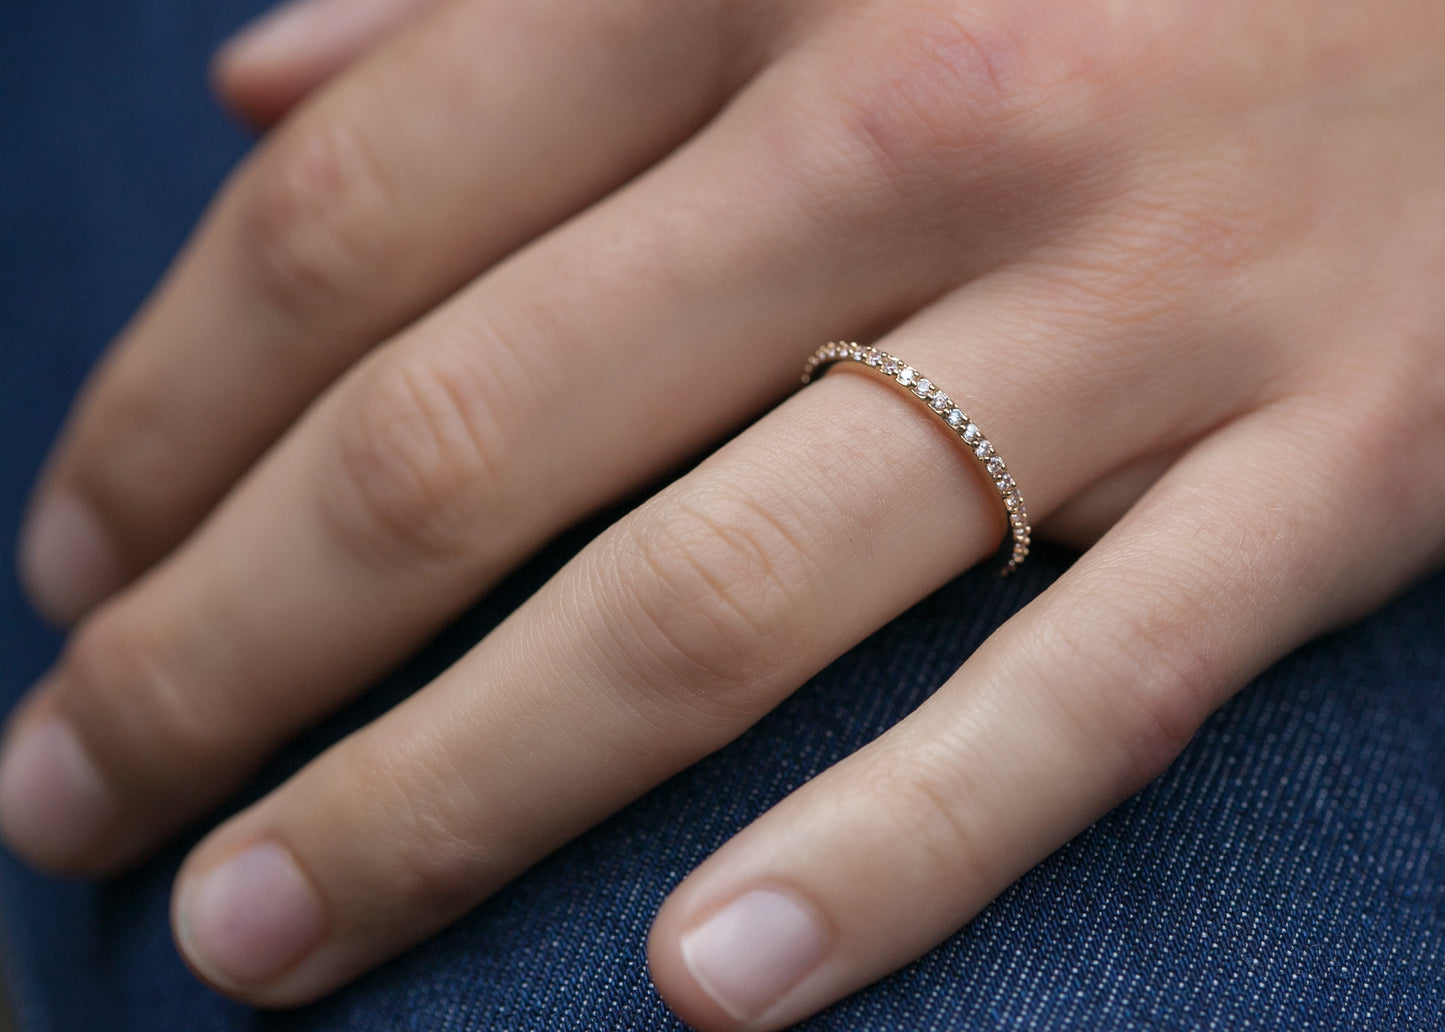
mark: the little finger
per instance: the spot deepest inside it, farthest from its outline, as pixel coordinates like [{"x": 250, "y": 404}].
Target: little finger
[{"x": 1075, "y": 703}]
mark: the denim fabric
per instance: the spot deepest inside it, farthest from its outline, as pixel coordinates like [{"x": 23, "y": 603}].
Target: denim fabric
[{"x": 1287, "y": 873}]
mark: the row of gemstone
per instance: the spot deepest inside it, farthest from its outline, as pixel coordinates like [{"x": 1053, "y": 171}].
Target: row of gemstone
[{"x": 952, "y": 415}]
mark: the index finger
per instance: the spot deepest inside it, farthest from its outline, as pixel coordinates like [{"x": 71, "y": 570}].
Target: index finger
[{"x": 476, "y": 129}]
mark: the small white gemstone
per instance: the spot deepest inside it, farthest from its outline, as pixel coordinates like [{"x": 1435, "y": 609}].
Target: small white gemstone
[
  {"x": 956, "y": 418},
  {"x": 973, "y": 434},
  {"x": 922, "y": 387},
  {"x": 872, "y": 357},
  {"x": 907, "y": 375},
  {"x": 1006, "y": 483},
  {"x": 940, "y": 402},
  {"x": 855, "y": 353},
  {"x": 984, "y": 449},
  {"x": 1016, "y": 520},
  {"x": 1015, "y": 500},
  {"x": 995, "y": 466},
  {"x": 890, "y": 365}
]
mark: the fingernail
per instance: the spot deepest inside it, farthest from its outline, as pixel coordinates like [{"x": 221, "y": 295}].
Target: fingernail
[
  {"x": 54, "y": 804},
  {"x": 67, "y": 560},
  {"x": 279, "y": 34},
  {"x": 250, "y": 918},
  {"x": 752, "y": 951}
]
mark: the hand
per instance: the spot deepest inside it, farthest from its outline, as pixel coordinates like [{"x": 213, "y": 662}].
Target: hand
[{"x": 1181, "y": 261}]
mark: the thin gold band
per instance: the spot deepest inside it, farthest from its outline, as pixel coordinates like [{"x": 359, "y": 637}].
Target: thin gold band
[{"x": 952, "y": 417}]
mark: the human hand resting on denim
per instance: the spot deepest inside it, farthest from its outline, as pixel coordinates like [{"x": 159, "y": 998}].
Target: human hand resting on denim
[{"x": 502, "y": 263}]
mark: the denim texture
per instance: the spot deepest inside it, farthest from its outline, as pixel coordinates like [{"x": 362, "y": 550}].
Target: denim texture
[{"x": 1288, "y": 872}]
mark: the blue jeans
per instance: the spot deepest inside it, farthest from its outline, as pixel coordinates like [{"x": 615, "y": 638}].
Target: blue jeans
[{"x": 1288, "y": 872}]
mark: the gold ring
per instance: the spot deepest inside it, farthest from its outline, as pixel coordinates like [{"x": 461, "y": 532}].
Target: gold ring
[{"x": 941, "y": 405}]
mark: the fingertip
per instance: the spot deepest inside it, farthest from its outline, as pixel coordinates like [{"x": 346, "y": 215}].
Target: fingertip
[
  {"x": 56, "y": 810},
  {"x": 264, "y": 69},
  {"x": 736, "y": 963},
  {"x": 66, "y": 560},
  {"x": 674, "y": 982},
  {"x": 258, "y": 94},
  {"x": 243, "y": 920},
  {"x": 272, "y": 64}
]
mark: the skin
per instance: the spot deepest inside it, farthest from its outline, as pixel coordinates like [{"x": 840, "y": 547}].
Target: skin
[{"x": 1181, "y": 260}]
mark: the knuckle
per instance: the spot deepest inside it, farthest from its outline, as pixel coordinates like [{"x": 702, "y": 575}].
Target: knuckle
[
  {"x": 314, "y": 216},
  {"x": 1200, "y": 233},
  {"x": 713, "y": 584},
  {"x": 1164, "y": 691},
  {"x": 1154, "y": 664},
  {"x": 945, "y": 86},
  {"x": 431, "y": 868},
  {"x": 429, "y": 863},
  {"x": 1378, "y": 428},
  {"x": 118, "y": 681},
  {"x": 930, "y": 796},
  {"x": 955, "y": 112},
  {"x": 1389, "y": 408},
  {"x": 1408, "y": 473},
  {"x": 422, "y": 457},
  {"x": 128, "y": 439}
]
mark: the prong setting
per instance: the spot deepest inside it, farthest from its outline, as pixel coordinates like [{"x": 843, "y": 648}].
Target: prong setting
[{"x": 953, "y": 417}]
